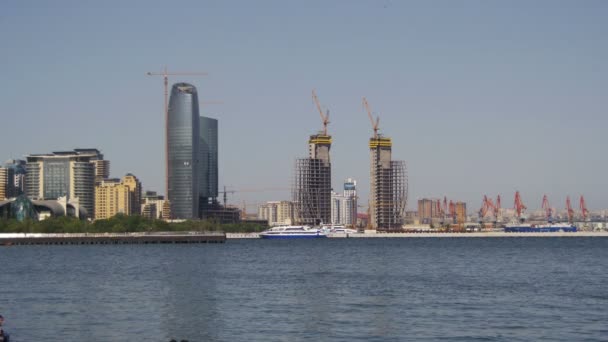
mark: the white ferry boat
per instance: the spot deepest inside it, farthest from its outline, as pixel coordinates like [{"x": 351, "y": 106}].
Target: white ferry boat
[
  {"x": 338, "y": 229},
  {"x": 292, "y": 232}
]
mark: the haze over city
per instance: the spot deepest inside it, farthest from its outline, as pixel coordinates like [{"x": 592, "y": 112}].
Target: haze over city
[{"x": 478, "y": 97}]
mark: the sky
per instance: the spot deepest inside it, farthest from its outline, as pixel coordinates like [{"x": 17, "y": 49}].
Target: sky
[{"x": 479, "y": 97}]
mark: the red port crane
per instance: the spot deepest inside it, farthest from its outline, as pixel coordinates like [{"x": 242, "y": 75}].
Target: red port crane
[
  {"x": 519, "y": 205},
  {"x": 583, "y": 206},
  {"x": 486, "y": 205},
  {"x": 569, "y": 210},
  {"x": 165, "y": 74},
  {"x": 547, "y": 208},
  {"x": 369, "y": 113},
  {"x": 324, "y": 118}
]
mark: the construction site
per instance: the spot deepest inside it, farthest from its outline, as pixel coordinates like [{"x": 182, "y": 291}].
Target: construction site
[
  {"x": 388, "y": 182},
  {"x": 312, "y": 184}
]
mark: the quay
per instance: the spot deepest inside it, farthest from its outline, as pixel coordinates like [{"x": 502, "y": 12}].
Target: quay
[
  {"x": 441, "y": 235},
  {"x": 11, "y": 239}
]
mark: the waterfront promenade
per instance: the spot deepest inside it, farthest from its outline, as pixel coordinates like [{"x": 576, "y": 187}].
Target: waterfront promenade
[{"x": 438, "y": 235}]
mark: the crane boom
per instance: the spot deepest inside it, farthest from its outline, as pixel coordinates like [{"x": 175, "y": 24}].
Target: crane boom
[
  {"x": 371, "y": 118},
  {"x": 324, "y": 118}
]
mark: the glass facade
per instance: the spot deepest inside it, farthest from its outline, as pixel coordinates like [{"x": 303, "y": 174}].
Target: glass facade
[
  {"x": 183, "y": 134},
  {"x": 209, "y": 162},
  {"x": 56, "y": 178}
]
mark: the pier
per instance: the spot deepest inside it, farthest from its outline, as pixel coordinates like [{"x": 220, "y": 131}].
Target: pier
[{"x": 111, "y": 238}]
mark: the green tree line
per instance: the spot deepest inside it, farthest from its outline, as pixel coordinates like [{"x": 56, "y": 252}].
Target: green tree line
[{"x": 121, "y": 224}]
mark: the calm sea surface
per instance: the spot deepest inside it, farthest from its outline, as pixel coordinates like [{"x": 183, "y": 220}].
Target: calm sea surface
[{"x": 421, "y": 289}]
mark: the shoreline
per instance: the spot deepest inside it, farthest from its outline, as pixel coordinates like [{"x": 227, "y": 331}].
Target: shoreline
[{"x": 230, "y": 236}]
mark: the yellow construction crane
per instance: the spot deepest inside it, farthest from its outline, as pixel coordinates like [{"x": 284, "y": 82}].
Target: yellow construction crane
[
  {"x": 165, "y": 74},
  {"x": 324, "y": 118},
  {"x": 369, "y": 113}
]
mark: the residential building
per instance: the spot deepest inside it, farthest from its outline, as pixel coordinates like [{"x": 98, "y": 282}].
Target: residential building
[
  {"x": 6, "y": 183},
  {"x": 429, "y": 209},
  {"x": 277, "y": 212},
  {"x": 344, "y": 206},
  {"x": 461, "y": 212},
  {"x": 152, "y": 205},
  {"x": 66, "y": 173},
  {"x": 114, "y": 196},
  {"x": 18, "y": 167}
]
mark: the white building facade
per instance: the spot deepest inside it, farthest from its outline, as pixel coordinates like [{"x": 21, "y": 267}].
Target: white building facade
[{"x": 344, "y": 206}]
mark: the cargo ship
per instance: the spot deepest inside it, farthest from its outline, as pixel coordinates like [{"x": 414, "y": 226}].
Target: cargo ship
[{"x": 540, "y": 228}]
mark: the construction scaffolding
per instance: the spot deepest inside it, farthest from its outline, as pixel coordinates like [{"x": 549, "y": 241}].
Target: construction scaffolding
[
  {"x": 388, "y": 188},
  {"x": 312, "y": 191}
]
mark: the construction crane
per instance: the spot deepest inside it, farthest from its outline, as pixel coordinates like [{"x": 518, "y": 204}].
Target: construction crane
[
  {"x": 165, "y": 74},
  {"x": 547, "y": 208},
  {"x": 569, "y": 210},
  {"x": 369, "y": 113},
  {"x": 324, "y": 118},
  {"x": 583, "y": 207},
  {"x": 519, "y": 205}
]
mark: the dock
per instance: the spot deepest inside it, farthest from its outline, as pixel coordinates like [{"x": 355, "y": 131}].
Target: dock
[{"x": 13, "y": 239}]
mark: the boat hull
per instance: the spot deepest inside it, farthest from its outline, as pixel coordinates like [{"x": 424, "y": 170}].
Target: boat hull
[
  {"x": 317, "y": 236},
  {"x": 548, "y": 229}
]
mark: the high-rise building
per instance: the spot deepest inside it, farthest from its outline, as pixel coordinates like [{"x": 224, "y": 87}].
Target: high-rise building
[
  {"x": 183, "y": 153},
  {"x": 277, "y": 212},
  {"x": 208, "y": 166},
  {"x": 114, "y": 196},
  {"x": 388, "y": 188},
  {"x": 18, "y": 180},
  {"x": 312, "y": 188},
  {"x": 152, "y": 205},
  {"x": 428, "y": 209},
  {"x": 6, "y": 183},
  {"x": 461, "y": 212},
  {"x": 101, "y": 166},
  {"x": 344, "y": 206},
  {"x": 67, "y": 173}
]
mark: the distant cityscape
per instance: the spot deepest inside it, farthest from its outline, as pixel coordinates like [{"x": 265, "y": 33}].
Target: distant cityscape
[{"x": 77, "y": 183}]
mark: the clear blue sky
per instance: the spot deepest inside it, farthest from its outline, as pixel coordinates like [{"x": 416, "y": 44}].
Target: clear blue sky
[{"x": 480, "y": 97}]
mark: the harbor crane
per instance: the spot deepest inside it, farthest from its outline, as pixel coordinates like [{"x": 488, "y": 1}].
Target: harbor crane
[
  {"x": 519, "y": 205},
  {"x": 324, "y": 118},
  {"x": 165, "y": 74},
  {"x": 583, "y": 207},
  {"x": 569, "y": 210},
  {"x": 369, "y": 113}
]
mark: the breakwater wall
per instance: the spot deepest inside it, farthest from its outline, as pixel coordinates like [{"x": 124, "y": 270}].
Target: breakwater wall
[{"x": 11, "y": 239}]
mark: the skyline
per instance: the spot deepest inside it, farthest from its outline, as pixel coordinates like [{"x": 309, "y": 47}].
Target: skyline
[{"x": 479, "y": 98}]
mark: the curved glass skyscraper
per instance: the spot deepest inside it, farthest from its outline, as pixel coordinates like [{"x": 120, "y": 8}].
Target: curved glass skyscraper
[{"x": 183, "y": 139}]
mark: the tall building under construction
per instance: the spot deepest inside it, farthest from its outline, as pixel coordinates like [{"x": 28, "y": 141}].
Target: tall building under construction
[
  {"x": 388, "y": 183},
  {"x": 312, "y": 184}
]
